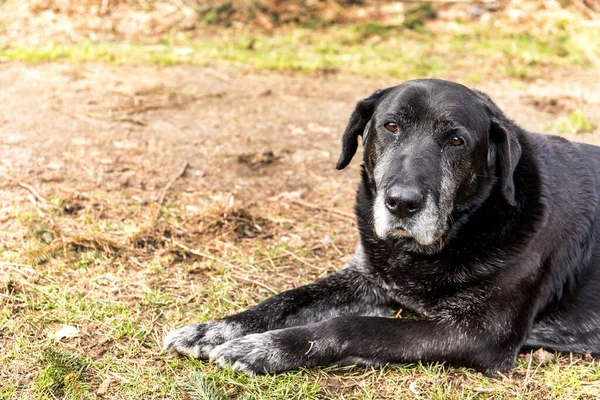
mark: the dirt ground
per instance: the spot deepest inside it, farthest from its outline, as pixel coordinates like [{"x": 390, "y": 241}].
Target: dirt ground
[
  {"x": 80, "y": 128},
  {"x": 95, "y": 148}
]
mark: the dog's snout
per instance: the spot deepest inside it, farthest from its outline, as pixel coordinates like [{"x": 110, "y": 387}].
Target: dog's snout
[{"x": 404, "y": 201}]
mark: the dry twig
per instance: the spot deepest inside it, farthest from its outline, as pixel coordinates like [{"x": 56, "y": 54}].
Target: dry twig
[
  {"x": 288, "y": 254},
  {"x": 295, "y": 257},
  {"x": 335, "y": 212},
  {"x": 163, "y": 193},
  {"x": 209, "y": 257},
  {"x": 35, "y": 193},
  {"x": 88, "y": 241}
]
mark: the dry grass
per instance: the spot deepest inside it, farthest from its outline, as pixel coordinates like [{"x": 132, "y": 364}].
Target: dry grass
[
  {"x": 122, "y": 282},
  {"x": 123, "y": 251}
]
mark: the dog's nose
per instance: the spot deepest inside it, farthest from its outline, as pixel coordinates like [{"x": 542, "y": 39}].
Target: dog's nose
[{"x": 404, "y": 201}]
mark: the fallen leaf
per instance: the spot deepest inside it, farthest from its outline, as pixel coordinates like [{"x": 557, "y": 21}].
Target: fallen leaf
[
  {"x": 540, "y": 357},
  {"x": 103, "y": 388},
  {"x": 66, "y": 332}
]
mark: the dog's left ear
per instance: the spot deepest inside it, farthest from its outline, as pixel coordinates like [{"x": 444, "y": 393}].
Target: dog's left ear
[
  {"x": 359, "y": 120},
  {"x": 507, "y": 152}
]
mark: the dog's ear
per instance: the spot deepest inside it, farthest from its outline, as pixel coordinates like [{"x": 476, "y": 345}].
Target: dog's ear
[
  {"x": 508, "y": 153},
  {"x": 359, "y": 121},
  {"x": 506, "y": 144}
]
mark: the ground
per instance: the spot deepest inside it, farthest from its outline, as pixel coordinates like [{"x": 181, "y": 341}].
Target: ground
[
  {"x": 168, "y": 162},
  {"x": 139, "y": 198}
]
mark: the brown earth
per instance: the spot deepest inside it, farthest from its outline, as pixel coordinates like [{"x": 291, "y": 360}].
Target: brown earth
[
  {"x": 236, "y": 157},
  {"x": 251, "y": 134},
  {"x": 247, "y": 137}
]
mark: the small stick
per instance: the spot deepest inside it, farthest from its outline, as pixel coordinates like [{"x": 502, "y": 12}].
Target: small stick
[
  {"x": 312, "y": 343},
  {"x": 218, "y": 76},
  {"x": 272, "y": 263},
  {"x": 33, "y": 201},
  {"x": 316, "y": 207},
  {"x": 104, "y": 7},
  {"x": 295, "y": 257},
  {"x": 270, "y": 259},
  {"x": 332, "y": 243},
  {"x": 18, "y": 267},
  {"x": 163, "y": 193},
  {"x": 201, "y": 254},
  {"x": 262, "y": 285},
  {"x": 208, "y": 256},
  {"x": 73, "y": 114},
  {"x": 12, "y": 298},
  {"x": 34, "y": 192}
]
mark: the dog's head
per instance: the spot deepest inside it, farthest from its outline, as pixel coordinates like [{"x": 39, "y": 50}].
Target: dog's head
[{"x": 431, "y": 148}]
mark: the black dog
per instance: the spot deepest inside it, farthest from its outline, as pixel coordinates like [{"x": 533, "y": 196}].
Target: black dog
[{"x": 490, "y": 234}]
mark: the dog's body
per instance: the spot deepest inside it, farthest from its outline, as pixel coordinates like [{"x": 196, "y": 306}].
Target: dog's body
[{"x": 488, "y": 233}]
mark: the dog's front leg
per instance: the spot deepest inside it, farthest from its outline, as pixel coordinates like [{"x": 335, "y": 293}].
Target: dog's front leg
[
  {"x": 369, "y": 341},
  {"x": 346, "y": 292}
]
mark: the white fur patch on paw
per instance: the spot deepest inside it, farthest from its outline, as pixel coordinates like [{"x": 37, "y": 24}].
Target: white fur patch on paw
[
  {"x": 242, "y": 367},
  {"x": 182, "y": 341},
  {"x": 249, "y": 354},
  {"x": 197, "y": 340}
]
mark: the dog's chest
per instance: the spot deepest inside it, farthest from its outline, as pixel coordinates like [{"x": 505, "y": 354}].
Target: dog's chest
[{"x": 431, "y": 288}]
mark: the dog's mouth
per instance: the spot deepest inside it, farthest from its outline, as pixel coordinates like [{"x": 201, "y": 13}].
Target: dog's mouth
[{"x": 399, "y": 232}]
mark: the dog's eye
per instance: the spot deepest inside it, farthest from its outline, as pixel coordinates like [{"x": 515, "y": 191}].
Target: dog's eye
[
  {"x": 456, "y": 141},
  {"x": 391, "y": 127}
]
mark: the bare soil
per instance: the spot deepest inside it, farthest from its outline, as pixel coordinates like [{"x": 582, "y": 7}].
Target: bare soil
[
  {"x": 102, "y": 139},
  {"x": 234, "y": 158},
  {"x": 254, "y": 135}
]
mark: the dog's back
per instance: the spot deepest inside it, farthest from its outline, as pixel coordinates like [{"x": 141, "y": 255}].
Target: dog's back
[{"x": 568, "y": 240}]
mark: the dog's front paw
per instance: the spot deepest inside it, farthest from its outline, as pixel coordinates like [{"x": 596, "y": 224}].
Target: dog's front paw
[
  {"x": 254, "y": 354},
  {"x": 197, "y": 340}
]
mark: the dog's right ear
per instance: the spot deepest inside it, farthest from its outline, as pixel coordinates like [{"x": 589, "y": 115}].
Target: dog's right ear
[
  {"x": 506, "y": 145},
  {"x": 356, "y": 126}
]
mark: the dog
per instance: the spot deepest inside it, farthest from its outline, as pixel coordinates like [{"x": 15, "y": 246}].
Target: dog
[{"x": 488, "y": 234}]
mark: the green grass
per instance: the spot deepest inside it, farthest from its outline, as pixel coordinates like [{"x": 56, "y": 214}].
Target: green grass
[
  {"x": 121, "y": 310},
  {"x": 574, "y": 123},
  {"x": 122, "y": 302},
  {"x": 368, "y": 49}
]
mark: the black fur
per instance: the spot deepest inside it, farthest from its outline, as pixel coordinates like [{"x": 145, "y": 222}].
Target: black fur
[{"x": 516, "y": 267}]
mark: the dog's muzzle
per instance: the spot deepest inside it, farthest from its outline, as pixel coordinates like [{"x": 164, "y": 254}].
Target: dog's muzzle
[{"x": 406, "y": 212}]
